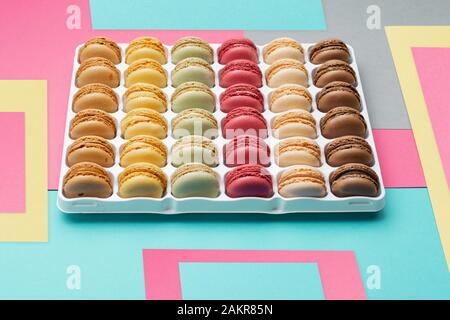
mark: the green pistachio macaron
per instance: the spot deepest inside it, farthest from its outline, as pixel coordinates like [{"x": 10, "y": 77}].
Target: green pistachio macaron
[
  {"x": 188, "y": 47},
  {"x": 195, "y": 122},
  {"x": 195, "y": 180},
  {"x": 193, "y": 95},
  {"x": 193, "y": 69}
]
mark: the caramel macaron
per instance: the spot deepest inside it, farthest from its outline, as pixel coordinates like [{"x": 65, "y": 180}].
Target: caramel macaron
[
  {"x": 144, "y": 122},
  {"x": 334, "y": 70},
  {"x": 146, "y": 71},
  {"x": 329, "y": 49},
  {"x": 95, "y": 96},
  {"x": 289, "y": 97},
  {"x": 144, "y": 95},
  {"x": 286, "y": 71},
  {"x": 92, "y": 122},
  {"x": 145, "y": 48},
  {"x": 297, "y": 151},
  {"x": 283, "y": 48},
  {"x": 145, "y": 149},
  {"x": 354, "y": 179},
  {"x": 97, "y": 70},
  {"x": 100, "y": 47},
  {"x": 142, "y": 180},
  {"x": 343, "y": 121},
  {"x": 91, "y": 149},
  {"x": 349, "y": 149},
  {"x": 87, "y": 179},
  {"x": 338, "y": 94},
  {"x": 302, "y": 182},
  {"x": 298, "y": 123}
]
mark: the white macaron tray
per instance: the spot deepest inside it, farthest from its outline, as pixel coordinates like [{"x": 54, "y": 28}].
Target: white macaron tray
[{"x": 169, "y": 204}]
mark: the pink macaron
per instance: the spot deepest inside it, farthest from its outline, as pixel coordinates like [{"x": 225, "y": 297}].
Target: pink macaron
[
  {"x": 240, "y": 71},
  {"x": 246, "y": 150},
  {"x": 244, "y": 121},
  {"x": 237, "y": 49},
  {"x": 241, "y": 95},
  {"x": 250, "y": 180}
]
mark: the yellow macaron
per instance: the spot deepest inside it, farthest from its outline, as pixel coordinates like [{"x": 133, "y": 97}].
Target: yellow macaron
[
  {"x": 145, "y": 122},
  {"x": 146, "y": 71},
  {"x": 145, "y": 48},
  {"x": 142, "y": 180},
  {"x": 144, "y": 95},
  {"x": 145, "y": 149}
]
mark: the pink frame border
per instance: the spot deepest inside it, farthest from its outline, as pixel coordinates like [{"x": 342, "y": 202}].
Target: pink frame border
[{"x": 338, "y": 270}]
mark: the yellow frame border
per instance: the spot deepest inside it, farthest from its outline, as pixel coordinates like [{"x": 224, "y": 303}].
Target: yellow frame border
[
  {"x": 30, "y": 97},
  {"x": 401, "y": 41}
]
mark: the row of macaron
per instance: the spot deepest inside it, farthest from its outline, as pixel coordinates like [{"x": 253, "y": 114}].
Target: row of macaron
[
  {"x": 241, "y": 150},
  {"x": 338, "y": 122},
  {"x": 284, "y": 98},
  {"x": 145, "y": 180},
  {"x": 232, "y": 49}
]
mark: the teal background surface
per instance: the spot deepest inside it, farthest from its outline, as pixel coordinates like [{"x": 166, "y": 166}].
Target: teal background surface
[
  {"x": 402, "y": 241},
  {"x": 247, "y": 281},
  {"x": 208, "y": 15}
]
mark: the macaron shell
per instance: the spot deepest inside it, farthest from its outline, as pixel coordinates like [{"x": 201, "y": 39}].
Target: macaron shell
[
  {"x": 143, "y": 153},
  {"x": 95, "y": 99},
  {"x": 290, "y": 99},
  {"x": 194, "y": 154},
  {"x": 240, "y": 71},
  {"x": 330, "y": 49},
  {"x": 244, "y": 121},
  {"x": 349, "y": 149},
  {"x": 237, "y": 49},
  {"x": 192, "y": 51},
  {"x": 90, "y": 149},
  {"x": 303, "y": 189},
  {"x": 141, "y": 186},
  {"x": 343, "y": 124},
  {"x": 100, "y": 47},
  {"x": 195, "y": 126},
  {"x": 297, "y": 157},
  {"x": 146, "y": 75},
  {"x": 144, "y": 100},
  {"x": 249, "y": 181},
  {"x": 338, "y": 97},
  {"x": 196, "y": 184},
  {"x": 285, "y": 53},
  {"x": 241, "y": 95},
  {"x": 332, "y": 71},
  {"x": 146, "y": 53},
  {"x": 87, "y": 186},
  {"x": 95, "y": 70},
  {"x": 294, "y": 124},
  {"x": 193, "y": 73},
  {"x": 286, "y": 71},
  {"x": 195, "y": 98},
  {"x": 145, "y": 128},
  {"x": 354, "y": 180}
]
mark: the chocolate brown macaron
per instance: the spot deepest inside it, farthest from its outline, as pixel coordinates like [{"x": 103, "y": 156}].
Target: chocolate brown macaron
[
  {"x": 93, "y": 122},
  {"x": 343, "y": 121},
  {"x": 334, "y": 70},
  {"x": 97, "y": 70},
  {"x": 354, "y": 179},
  {"x": 95, "y": 96},
  {"x": 90, "y": 149},
  {"x": 349, "y": 149},
  {"x": 87, "y": 179},
  {"x": 338, "y": 94},
  {"x": 329, "y": 49}
]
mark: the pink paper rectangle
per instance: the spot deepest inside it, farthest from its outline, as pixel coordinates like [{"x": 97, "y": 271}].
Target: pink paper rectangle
[
  {"x": 399, "y": 159},
  {"x": 12, "y": 162},
  {"x": 433, "y": 67},
  {"x": 338, "y": 270}
]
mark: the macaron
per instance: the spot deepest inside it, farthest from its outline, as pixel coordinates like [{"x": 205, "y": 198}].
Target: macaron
[
  {"x": 100, "y": 47},
  {"x": 246, "y": 150},
  {"x": 195, "y": 180},
  {"x": 290, "y": 97},
  {"x": 297, "y": 151},
  {"x": 193, "y": 94},
  {"x": 146, "y": 149},
  {"x": 95, "y": 96},
  {"x": 239, "y": 95},
  {"x": 250, "y": 180},
  {"x": 283, "y": 48},
  {"x": 87, "y": 179},
  {"x": 145, "y": 48},
  {"x": 194, "y": 121},
  {"x": 343, "y": 121},
  {"x": 237, "y": 49},
  {"x": 338, "y": 94},
  {"x": 302, "y": 182},
  {"x": 144, "y": 95},
  {"x": 92, "y": 122},
  {"x": 329, "y": 49},
  {"x": 97, "y": 70},
  {"x": 349, "y": 149},
  {"x": 240, "y": 71},
  {"x": 286, "y": 71},
  {"x": 192, "y": 47},
  {"x": 146, "y": 71},
  {"x": 244, "y": 121},
  {"x": 142, "y": 180},
  {"x": 91, "y": 149},
  {"x": 193, "y": 69},
  {"x": 334, "y": 70},
  {"x": 298, "y": 123},
  {"x": 354, "y": 179},
  {"x": 194, "y": 149},
  {"x": 143, "y": 122}
]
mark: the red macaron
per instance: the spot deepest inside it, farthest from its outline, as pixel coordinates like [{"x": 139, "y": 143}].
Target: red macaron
[
  {"x": 239, "y": 95},
  {"x": 240, "y": 71},
  {"x": 235, "y": 49},
  {"x": 246, "y": 150},
  {"x": 244, "y": 121},
  {"x": 250, "y": 180}
]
